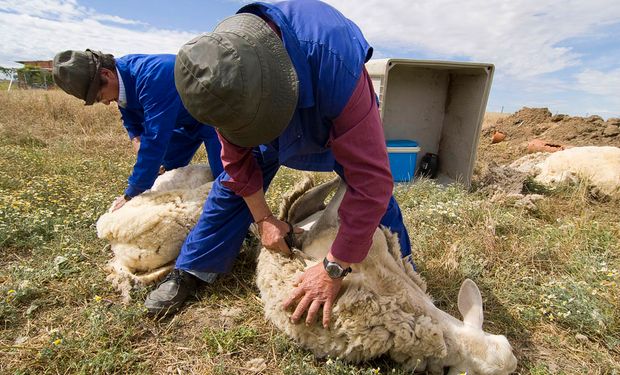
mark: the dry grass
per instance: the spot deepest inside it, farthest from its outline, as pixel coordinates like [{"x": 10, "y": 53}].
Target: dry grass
[
  {"x": 549, "y": 277},
  {"x": 490, "y": 118}
]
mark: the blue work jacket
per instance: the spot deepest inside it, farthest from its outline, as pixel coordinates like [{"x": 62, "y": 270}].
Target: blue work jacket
[
  {"x": 328, "y": 52},
  {"x": 152, "y": 112}
]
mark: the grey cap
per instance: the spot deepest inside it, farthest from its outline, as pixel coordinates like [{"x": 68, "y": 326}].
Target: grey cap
[
  {"x": 77, "y": 73},
  {"x": 240, "y": 79}
]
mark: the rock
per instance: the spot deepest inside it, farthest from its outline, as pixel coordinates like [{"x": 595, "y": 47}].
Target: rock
[
  {"x": 32, "y": 308},
  {"x": 581, "y": 338},
  {"x": 558, "y": 118},
  {"x": 60, "y": 263},
  {"x": 498, "y": 137},
  {"x": 594, "y": 118},
  {"x": 611, "y": 131},
  {"x": 229, "y": 316},
  {"x": 256, "y": 365},
  {"x": 529, "y": 202},
  {"x": 538, "y": 145}
]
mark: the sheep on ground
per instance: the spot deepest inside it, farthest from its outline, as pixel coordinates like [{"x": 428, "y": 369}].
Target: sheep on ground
[
  {"x": 146, "y": 233},
  {"x": 382, "y": 307},
  {"x": 600, "y": 166}
]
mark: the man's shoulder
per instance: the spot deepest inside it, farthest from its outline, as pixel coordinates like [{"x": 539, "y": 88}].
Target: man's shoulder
[
  {"x": 147, "y": 59},
  {"x": 148, "y": 69}
]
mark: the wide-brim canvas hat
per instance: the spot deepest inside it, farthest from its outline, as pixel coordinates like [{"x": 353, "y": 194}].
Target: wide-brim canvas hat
[
  {"x": 77, "y": 73},
  {"x": 239, "y": 79}
]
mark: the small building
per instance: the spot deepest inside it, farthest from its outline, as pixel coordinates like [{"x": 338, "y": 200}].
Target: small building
[
  {"x": 42, "y": 64},
  {"x": 36, "y": 74}
]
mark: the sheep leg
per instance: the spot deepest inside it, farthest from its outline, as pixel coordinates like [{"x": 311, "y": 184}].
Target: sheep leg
[{"x": 155, "y": 275}]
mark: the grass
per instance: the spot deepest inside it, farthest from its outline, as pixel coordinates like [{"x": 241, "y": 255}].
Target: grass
[{"x": 549, "y": 277}]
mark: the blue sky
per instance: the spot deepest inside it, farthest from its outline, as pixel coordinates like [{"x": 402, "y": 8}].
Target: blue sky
[
  {"x": 193, "y": 16},
  {"x": 564, "y": 55}
]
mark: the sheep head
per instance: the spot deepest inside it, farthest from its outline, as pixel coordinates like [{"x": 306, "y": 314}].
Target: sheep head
[{"x": 472, "y": 350}]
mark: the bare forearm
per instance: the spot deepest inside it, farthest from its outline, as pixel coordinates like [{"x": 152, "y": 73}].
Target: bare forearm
[
  {"x": 135, "y": 142},
  {"x": 258, "y": 205}
]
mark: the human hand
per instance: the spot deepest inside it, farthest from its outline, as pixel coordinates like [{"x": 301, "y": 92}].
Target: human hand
[
  {"x": 118, "y": 203},
  {"x": 314, "y": 289},
  {"x": 272, "y": 232},
  {"x": 135, "y": 142}
]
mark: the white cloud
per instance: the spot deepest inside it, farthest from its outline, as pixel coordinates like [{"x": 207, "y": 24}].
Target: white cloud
[
  {"x": 600, "y": 83},
  {"x": 116, "y": 19},
  {"x": 38, "y": 29},
  {"x": 527, "y": 40},
  {"x": 603, "y": 87},
  {"x": 524, "y": 38},
  {"x": 41, "y": 8}
]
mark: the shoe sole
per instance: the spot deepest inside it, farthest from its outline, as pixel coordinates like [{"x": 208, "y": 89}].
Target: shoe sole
[{"x": 163, "y": 311}]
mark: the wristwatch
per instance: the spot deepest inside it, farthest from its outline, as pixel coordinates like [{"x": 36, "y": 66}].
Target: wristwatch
[{"x": 335, "y": 270}]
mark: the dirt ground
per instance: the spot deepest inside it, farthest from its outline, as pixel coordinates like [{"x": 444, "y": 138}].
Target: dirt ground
[
  {"x": 520, "y": 128},
  {"x": 538, "y": 123}
]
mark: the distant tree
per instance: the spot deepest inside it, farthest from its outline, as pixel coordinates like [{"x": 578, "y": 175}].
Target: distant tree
[{"x": 7, "y": 73}]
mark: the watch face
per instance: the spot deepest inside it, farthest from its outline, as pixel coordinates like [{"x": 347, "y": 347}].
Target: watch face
[{"x": 334, "y": 270}]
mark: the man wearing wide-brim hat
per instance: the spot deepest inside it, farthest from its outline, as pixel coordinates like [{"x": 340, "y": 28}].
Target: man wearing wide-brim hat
[
  {"x": 162, "y": 131},
  {"x": 284, "y": 84}
]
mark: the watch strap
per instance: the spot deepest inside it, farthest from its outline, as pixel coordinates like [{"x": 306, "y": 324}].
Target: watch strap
[{"x": 343, "y": 271}]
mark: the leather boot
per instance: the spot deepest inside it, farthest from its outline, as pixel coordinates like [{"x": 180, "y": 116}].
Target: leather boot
[{"x": 170, "y": 294}]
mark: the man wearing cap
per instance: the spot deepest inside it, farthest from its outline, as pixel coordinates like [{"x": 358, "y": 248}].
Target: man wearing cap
[
  {"x": 162, "y": 131},
  {"x": 284, "y": 84}
]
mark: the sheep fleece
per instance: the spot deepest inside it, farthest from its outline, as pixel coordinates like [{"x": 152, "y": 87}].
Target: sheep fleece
[{"x": 374, "y": 294}]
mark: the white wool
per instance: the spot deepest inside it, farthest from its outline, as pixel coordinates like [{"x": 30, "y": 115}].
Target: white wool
[
  {"x": 529, "y": 163},
  {"x": 146, "y": 234},
  {"x": 383, "y": 309},
  {"x": 368, "y": 319},
  {"x": 600, "y": 166},
  {"x": 186, "y": 178}
]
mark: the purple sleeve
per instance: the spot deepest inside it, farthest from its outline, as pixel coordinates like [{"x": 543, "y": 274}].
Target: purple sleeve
[
  {"x": 245, "y": 176},
  {"x": 358, "y": 144}
]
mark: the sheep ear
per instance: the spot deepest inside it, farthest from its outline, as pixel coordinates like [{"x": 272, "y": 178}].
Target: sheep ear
[{"x": 470, "y": 304}]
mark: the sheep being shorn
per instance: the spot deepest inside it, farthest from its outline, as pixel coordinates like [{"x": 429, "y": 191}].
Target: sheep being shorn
[
  {"x": 382, "y": 308},
  {"x": 146, "y": 234}
]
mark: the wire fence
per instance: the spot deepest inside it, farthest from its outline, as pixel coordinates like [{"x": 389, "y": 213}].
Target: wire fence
[{"x": 28, "y": 77}]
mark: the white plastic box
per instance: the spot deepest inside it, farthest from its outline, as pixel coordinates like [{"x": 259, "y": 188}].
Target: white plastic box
[{"x": 438, "y": 104}]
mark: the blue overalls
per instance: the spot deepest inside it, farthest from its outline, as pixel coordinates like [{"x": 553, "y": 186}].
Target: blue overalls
[
  {"x": 169, "y": 135},
  {"x": 328, "y": 52}
]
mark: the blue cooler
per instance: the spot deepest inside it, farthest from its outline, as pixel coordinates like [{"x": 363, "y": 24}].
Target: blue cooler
[{"x": 403, "y": 155}]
